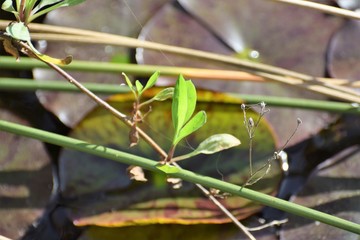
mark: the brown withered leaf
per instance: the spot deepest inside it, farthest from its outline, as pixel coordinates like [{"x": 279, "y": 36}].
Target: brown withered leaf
[
  {"x": 136, "y": 173},
  {"x": 175, "y": 182}
]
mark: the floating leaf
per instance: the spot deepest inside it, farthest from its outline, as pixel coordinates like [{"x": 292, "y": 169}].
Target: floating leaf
[
  {"x": 332, "y": 188},
  {"x": 156, "y": 202},
  {"x": 25, "y": 169},
  {"x": 212, "y": 144}
]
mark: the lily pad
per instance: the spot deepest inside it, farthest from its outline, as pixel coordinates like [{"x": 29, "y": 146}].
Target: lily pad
[
  {"x": 25, "y": 179},
  {"x": 118, "y": 17},
  {"x": 344, "y": 52},
  {"x": 240, "y": 28},
  {"x": 334, "y": 189},
  {"x": 105, "y": 195}
]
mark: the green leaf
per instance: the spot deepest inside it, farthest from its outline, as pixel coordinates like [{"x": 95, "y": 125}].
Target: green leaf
[
  {"x": 212, "y": 144},
  {"x": 64, "y": 3},
  {"x": 139, "y": 87},
  {"x": 151, "y": 82},
  {"x": 191, "y": 126},
  {"x": 179, "y": 104},
  {"x": 45, "y": 3},
  {"x": 166, "y": 168},
  {"x": 160, "y": 96},
  {"x": 19, "y": 31},
  {"x": 191, "y": 99},
  {"x": 164, "y": 94},
  {"x": 8, "y": 7},
  {"x": 128, "y": 82}
]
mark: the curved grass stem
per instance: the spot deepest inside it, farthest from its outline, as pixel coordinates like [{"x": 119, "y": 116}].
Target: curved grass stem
[{"x": 186, "y": 175}]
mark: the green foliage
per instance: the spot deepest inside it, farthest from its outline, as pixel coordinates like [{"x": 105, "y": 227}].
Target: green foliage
[
  {"x": 139, "y": 89},
  {"x": 19, "y": 31},
  {"x": 168, "y": 169},
  {"x": 183, "y": 107},
  {"x": 25, "y": 12},
  {"x": 30, "y": 10},
  {"x": 212, "y": 144}
]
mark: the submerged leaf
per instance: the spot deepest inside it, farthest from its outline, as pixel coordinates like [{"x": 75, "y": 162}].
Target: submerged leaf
[{"x": 212, "y": 144}]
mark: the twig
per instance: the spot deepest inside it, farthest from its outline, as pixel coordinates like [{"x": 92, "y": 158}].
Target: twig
[
  {"x": 4, "y": 238},
  {"x": 324, "y": 8},
  {"x": 270, "y": 224},
  {"x": 276, "y": 74}
]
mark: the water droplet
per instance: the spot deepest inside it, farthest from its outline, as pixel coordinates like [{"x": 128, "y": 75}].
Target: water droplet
[{"x": 254, "y": 54}]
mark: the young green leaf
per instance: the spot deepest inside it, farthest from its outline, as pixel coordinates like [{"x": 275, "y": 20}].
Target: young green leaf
[
  {"x": 166, "y": 168},
  {"x": 8, "y": 7},
  {"x": 212, "y": 144},
  {"x": 164, "y": 94},
  {"x": 151, "y": 82},
  {"x": 128, "y": 82},
  {"x": 179, "y": 104},
  {"x": 191, "y": 126},
  {"x": 18, "y": 31},
  {"x": 59, "y": 4},
  {"x": 139, "y": 87},
  {"x": 44, "y": 3},
  {"x": 160, "y": 96},
  {"x": 191, "y": 99}
]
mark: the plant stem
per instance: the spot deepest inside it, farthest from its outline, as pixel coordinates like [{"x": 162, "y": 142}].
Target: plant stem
[
  {"x": 17, "y": 84},
  {"x": 186, "y": 175},
  {"x": 272, "y": 73},
  {"x": 120, "y": 116},
  {"x": 147, "y": 70},
  {"x": 323, "y": 8},
  {"x": 108, "y": 107}
]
